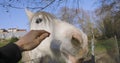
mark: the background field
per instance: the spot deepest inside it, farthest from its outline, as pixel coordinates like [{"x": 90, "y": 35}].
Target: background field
[{"x": 106, "y": 51}]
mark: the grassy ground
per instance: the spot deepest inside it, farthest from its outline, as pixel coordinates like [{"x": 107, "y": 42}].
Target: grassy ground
[
  {"x": 108, "y": 44},
  {"x": 105, "y": 44},
  {"x": 106, "y": 51},
  {"x": 6, "y": 41},
  {"x": 108, "y": 48}
]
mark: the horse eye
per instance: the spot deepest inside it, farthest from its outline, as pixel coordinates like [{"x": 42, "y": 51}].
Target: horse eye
[{"x": 38, "y": 20}]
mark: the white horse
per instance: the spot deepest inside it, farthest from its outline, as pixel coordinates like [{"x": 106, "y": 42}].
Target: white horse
[{"x": 64, "y": 40}]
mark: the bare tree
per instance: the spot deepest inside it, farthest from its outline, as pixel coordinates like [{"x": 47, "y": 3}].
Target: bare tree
[
  {"x": 80, "y": 18},
  {"x": 109, "y": 13},
  {"x": 30, "y": 4}
]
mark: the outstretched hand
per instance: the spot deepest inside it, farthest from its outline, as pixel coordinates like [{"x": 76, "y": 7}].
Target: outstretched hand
[{"x": 32, "y": 39}]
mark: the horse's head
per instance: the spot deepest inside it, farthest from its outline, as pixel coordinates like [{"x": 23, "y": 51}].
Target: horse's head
[
  {"x": 41, "y": 20},
  {"x": 70, "y": 42}
]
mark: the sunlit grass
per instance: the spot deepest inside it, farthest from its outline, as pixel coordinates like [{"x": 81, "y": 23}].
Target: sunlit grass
[{"x": 105, "y": 44}]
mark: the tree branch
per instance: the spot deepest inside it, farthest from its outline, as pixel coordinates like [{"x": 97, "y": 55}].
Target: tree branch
[
  {"x": 17, "y": 7},
  {"x": 42, "y": 7}
]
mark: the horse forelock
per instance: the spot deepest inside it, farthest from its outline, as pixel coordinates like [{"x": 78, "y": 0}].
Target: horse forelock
[
  {"x": 45, "y": 16},
  {"x": 48, "y": 21}
]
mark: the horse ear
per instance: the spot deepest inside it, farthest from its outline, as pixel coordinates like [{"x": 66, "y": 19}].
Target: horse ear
[{"x": 29, "y": 14}]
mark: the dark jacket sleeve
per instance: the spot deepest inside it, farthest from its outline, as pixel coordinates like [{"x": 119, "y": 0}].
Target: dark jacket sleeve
[{"x": 10, "y": 53}]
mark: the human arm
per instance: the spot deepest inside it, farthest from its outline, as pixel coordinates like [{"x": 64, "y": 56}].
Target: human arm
[{"x": 11, "y": 53}]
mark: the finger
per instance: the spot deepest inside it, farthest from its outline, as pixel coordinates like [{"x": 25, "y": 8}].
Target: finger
[
  {"x": 38, "y": 40},
  {"x": 42, "y": 37},
  {"x": 44, "y": 32},
  {"x": 39, "y": 32}
]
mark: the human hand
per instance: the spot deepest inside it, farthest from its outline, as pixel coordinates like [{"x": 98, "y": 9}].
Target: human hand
[{"x": 32, "y": 39}]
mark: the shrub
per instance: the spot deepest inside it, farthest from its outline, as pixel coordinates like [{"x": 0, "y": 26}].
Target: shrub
[{"x": 13, "y": 39}]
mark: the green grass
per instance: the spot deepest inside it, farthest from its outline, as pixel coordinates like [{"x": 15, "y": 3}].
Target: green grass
[
  {"x": 119, "y": 43},
  {"x": 107, "y": 44},
  {"x": 3, "y": 42}
]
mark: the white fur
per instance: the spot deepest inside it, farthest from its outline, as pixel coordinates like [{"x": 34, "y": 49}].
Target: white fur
[{"x": 60, "y": 31}]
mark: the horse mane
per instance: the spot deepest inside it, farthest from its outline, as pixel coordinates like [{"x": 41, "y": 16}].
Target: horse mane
[{"x": 45, "y": 14}]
